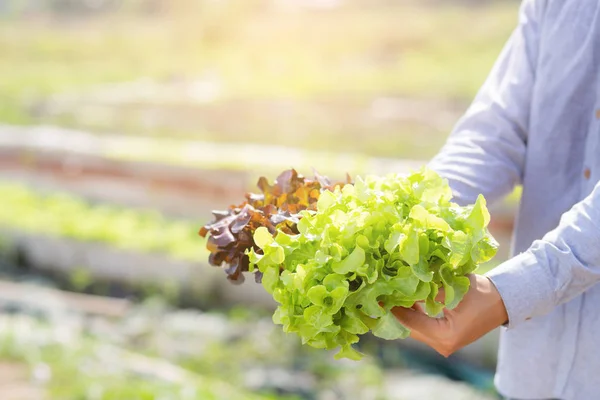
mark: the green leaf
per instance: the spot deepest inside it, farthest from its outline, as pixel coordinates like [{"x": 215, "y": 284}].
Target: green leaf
[
  {"x": 424, "y": 243},
  {"x": 280, "y": 317},
  {"x": 426, "y": 220},
  {"x": 326, "y": 200},
  {"x": 455, "y": 287},
  {"x": 394, "y": 241},
  {"x": 307, "y": 331},
  {"x": 333, "y": 281},
  {"x": 270, "y": 279},
  {"x": 389, "y": 328},
  {"x": 254, "y": 258},
  {"x": 316, "y": 317},
  {"x": 467, "y": 268},
  {"x": 409, "y": 248},
  {"x": 353, "y": 325},
  {"x": 325, "y": 340},
  {"x": 459, "y": 245},
  {"x": 262, "y": 237},
  {"x": 316, "y": 294},
  {"x": 423, "y": 290},
  {"x": 484, "y": 250},
  {"x": 348, "y": 352},
  {"x": 275, "y": 253},
  {"x": 363, "y": 242},
  {"x": 304, "y": 226},
  {"x": 432, "y": 307},
  {"x": 287, "y": 278},
  {"x": 429, "y": 187},
  {"x": 406, "y": 282},
  {"x": 368, "y": 298},
  {"x": 479, "y": 217},
  {"x": 351, "y": 263},
  {"x": 338, "y": 296},
  {"x": 368, "y": 272},
  {"x": 400, "y": 299},
  {"x": 422, "y": 271},
  {"x": 284, "y": 239}
]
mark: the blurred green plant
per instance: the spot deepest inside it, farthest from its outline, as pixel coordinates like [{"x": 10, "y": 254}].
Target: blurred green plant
[
  {"x": 80, "y": 279},
  {"x": 157, "y": 353},
  {"x": 251, "y": 51},
  {"x": 63, "y": 215},
  {"x": 258, "y": 51},
  {"x": 70, "y": 365}
]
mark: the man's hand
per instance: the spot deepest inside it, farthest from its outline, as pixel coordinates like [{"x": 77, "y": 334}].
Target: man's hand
[{"x": 479, "y": 312}]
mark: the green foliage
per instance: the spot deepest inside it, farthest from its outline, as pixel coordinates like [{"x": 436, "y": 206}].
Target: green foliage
[
  {"x": 70, "y": 365},
  {"x": 163, "y": 354},
  {"x": 368, "y": 49},
  {"x": 395, "y": 240},
  {"x": 63, "y": 215},
  {"x": 80, "y": 279},
  {"x": 352, "y": 56}
]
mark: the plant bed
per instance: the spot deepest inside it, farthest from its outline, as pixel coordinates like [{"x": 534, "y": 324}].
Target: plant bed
[
  {"x": 60, "y": 233},
  {"x": 158, "y": 352},
  {"x": 63, "y": 361},
  {"x": 256, "y": 157},
  {"x": 177, "y": 191},
  {"x": 126, "y": 273},
  {"x": 165, "y": 174}
]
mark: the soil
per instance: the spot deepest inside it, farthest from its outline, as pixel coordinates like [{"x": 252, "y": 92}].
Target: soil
[{"x": 176, "y": 191}]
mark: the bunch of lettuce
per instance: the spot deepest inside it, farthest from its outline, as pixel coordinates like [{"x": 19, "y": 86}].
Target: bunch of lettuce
[
  {"x": 394, "y": 240},
  {"x": 275, "y": 208}
]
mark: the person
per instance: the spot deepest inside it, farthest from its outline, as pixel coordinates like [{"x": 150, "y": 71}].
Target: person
[{"x": 535, "y": 122}]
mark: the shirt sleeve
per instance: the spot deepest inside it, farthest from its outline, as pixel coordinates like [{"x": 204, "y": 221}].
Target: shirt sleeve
[
  {"x": 485, "y": 152},
  {"x": 555, "y": 269}
]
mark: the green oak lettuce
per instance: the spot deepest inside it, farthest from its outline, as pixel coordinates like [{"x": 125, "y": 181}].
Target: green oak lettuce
[{"x": 392, "y": 240}]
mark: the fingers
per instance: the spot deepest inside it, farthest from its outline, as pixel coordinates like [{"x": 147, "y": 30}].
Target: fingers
[
  {"x": 418, "y": 336},
  {"x": 431, "y": 331},
  {"x": 423, "y": 328},
  {"x": 418, "y": 307},
  {"x": 415, "y": 320},
  {"x": 480, "y": 311},
  {"x": 406, "y": 316}
]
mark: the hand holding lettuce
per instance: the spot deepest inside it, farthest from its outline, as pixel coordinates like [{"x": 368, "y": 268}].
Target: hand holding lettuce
[{"x": 394, "y": 240}]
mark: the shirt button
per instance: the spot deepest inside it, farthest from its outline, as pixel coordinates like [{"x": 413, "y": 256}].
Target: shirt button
[
  {"x": 587, "y": 173},
  {"x": 598, "y": 113}
]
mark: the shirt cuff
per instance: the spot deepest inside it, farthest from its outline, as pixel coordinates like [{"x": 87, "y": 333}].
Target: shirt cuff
[{"x": 524, "y": 286}]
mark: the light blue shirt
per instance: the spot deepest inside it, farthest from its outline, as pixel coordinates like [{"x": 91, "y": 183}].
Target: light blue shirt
[{"x": 536, "y": 122}]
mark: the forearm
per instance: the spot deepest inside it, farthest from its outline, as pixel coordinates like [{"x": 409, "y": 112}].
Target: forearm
[{"x": 561, "y": 266}]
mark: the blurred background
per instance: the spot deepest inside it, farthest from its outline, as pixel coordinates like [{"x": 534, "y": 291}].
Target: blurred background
[{"x": 123, "y": 123}]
